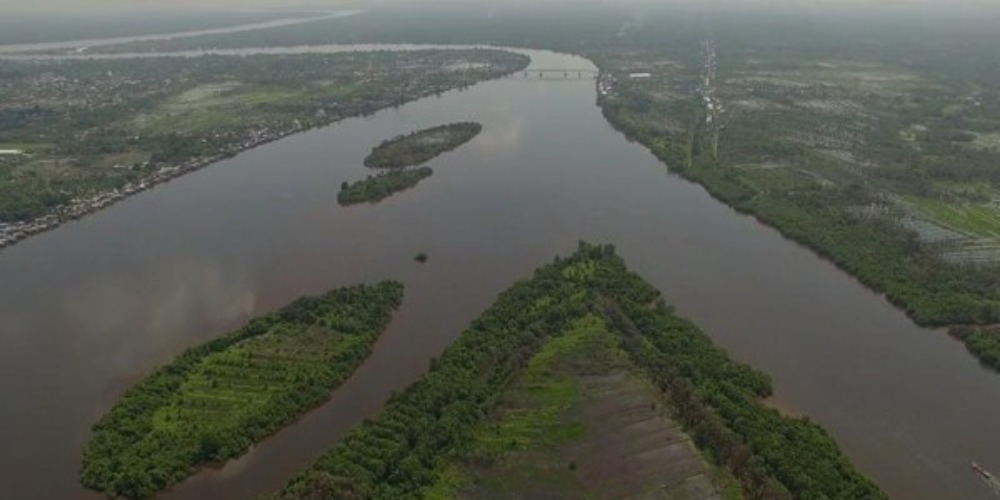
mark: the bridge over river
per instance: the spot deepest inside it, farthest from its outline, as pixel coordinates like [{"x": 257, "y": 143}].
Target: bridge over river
[{"x": 555, "y": 74}]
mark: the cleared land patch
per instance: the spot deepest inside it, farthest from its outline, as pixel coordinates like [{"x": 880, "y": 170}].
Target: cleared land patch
[
  {"x": 989, "y": 141},
  {"x": 973, "y": 219},
  {"x": 580, "y": 422}
]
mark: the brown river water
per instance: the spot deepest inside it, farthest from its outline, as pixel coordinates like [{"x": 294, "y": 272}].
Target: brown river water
[{"x": 90, "y": 308}]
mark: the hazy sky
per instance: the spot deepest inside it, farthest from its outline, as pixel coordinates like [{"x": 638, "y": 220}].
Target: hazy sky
[{"x": 84, "y": 5}]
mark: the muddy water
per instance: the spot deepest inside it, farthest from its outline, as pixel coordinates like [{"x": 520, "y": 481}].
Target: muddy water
[{"x": 89, "y": 308}]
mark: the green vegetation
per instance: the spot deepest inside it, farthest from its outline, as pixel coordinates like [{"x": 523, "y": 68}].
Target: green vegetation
[
  {"x": 421, "y": 146},
  {"x": 863, "y": 138},
  {"x": 884, "y": 255},
  {"x": 983, "y": 343},
  {"x": 216, "y": 400},
  {"x": 411, "y": 446},
  {"x": 795, "y": 155},
  {"x": 580, "y": 421},
  {"x": 96, "y": 127},
  {"x": 863, "y": 158},
  {"x": 379, "y": 187},
  {"x": 980, "y": 220},
  {"x": 719, "y": 402}
]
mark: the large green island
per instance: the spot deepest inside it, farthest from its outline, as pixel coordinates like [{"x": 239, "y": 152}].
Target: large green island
[
  {"x": 421, "y": 146},
  {"x": 217, "y": 399},
  {"x": 581, "y": 382}
]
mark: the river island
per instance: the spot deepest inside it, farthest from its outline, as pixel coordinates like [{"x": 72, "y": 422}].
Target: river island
[
  {"x": 104, "y": 130},
  {"x": 421, "y": 146},
  {"x": 557, "y": 381},
  {"x": 216, "y": 400},
  {"x": 375, "y": 188}
]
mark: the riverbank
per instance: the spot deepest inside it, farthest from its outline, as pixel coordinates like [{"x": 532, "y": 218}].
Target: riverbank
[
  {"x": 883, "y": 255},
  {"x": 451, "y": 428},
  {"x": 241, "y": 238},
  {"x": 14, "y": 232},
  {"x": 195, "y": 121}
]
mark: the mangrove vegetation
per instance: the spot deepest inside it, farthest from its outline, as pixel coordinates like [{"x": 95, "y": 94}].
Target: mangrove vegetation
[{"x": 217, "y": 399}]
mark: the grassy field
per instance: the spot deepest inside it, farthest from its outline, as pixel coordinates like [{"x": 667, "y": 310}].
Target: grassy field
[
  {"x": 229, "y": 387},
  {"x": 235, "y": 104},
  {"x": 979, "y": 220}
]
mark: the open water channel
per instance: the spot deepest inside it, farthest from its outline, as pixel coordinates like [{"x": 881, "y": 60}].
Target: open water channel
[{"x": 90, "y": 308}]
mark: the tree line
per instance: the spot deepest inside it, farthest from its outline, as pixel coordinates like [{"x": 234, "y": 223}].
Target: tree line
[{"x": 408, "y": 446}]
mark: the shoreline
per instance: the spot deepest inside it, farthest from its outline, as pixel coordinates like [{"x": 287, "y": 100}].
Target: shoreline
[{"x": 12, "y": 233}]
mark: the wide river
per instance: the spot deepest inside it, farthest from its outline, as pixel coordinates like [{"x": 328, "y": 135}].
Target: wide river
[{"x": 90, "y": 308}]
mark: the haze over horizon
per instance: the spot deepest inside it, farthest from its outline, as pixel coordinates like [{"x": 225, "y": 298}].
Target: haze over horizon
[{"x": 85, "y": 6}]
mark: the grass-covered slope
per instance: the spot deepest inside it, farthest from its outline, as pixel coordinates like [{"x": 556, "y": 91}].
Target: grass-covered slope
[
  {"x": 376, "y": 188},
  {"x": 410, "y": 450},
  {"x": 217, "y": 399},
  {"x": 421, "y": 146},
  {"x": 580, "y": 421}
]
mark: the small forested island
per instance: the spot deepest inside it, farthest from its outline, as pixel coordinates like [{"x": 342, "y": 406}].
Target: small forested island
[
  {"x": 217, "y": 399},
  {"x": 376, "y": 188},
  {"x": 421, "y": 146},
  {"x": 510, "y": 407}
]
